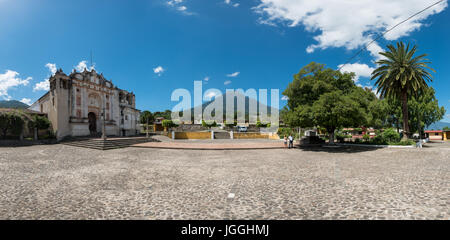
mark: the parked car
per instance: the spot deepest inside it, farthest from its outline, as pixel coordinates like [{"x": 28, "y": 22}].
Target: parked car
[{"x": 242, "y": 129}]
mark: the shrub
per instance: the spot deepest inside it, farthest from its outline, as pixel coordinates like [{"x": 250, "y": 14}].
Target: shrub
[
  {"x": 4, "y": 123},
  {"x": 262, "y": 125},
  {"x": 390, "y": 135},
  {"x": 379, "y": 140},
  {"x": 404, "y": 142},
  {"x": 209, "y": 124},
  {"x": 366, "y": 137},
  {"x": 340, "y": 137},
  {"x": 287, "y": 131}
]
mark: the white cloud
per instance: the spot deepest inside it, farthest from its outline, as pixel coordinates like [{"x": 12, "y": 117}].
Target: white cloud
[
  {"x": 174, "y": 2},
  {"x": 235, "y": 74},
  {"x": 10, "y": 79},
  {"x": 361, "y": 70},
  {"x": 349, "y": 24},
  {"x": 178, "y": 5},
  {"x": 158, "y": 70},
  {"x": 206, "y": 79},
  {"x": 42, "y": 86},
  {"x": 284, "y": 98},
  {"x": 227, "y": 82},
  {"x": 51, "y": 67},
  {"x": 27, "y": 101},
  {"x": 83, "y": 66},
  {"x": 45, "y": 85},
  {"x": 228, "y": 2}
]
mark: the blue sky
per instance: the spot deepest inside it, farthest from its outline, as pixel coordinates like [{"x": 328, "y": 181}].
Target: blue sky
[{"x": 154, "y": 47}]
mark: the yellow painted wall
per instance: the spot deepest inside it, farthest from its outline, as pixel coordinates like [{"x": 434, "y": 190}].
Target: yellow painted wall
[
  {"x": 192, "y": 135},
  {"x": 446, "y": 136},
  {"x": 249, "y": 135}
]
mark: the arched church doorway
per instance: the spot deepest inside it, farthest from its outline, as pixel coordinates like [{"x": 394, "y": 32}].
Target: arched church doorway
[{"x": 92, "y": 123}]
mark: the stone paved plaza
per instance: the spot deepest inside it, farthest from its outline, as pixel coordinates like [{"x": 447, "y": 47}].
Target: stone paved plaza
[{"x": 64, "y": 182}]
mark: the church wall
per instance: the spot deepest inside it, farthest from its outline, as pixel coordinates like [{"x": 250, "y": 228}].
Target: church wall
[
  {"x": 69, "y": 102},
  {"x": 80, "y": 129},
  {"x": 62, "y": 107}
]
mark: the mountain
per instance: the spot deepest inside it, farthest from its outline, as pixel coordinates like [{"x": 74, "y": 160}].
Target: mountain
[
  {"x": 13, "y": 104},
  {"x": 438, "y": 126},
  {"x": 248, "y": 101}
]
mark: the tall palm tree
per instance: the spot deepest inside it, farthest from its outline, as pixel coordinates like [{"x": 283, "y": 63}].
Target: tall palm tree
[{"x": 400, "y": 75}]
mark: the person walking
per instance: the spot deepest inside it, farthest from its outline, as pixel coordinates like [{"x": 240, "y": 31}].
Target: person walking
[
  {"x": 285, "y": 141},
  {"x": 291, "y": 141}
]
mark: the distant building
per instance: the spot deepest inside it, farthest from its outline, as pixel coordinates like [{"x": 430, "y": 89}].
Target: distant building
[
  {"x": 75, "y": 105},
  {"x": 438, "y": 135},
  {"x": 157, "y": 125}
]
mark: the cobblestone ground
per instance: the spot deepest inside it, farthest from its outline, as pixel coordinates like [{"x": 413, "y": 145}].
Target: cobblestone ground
[{"x": 63, "y": 182}]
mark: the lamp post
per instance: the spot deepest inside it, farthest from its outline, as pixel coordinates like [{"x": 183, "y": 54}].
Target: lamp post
[
  {"x": 146, "y": 134},
  {"x": 419, "y": 126},
  {"x": 104, "y": 126}
]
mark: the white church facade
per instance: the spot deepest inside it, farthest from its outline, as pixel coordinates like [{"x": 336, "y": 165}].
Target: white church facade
[{"x": 76, "y": 103}]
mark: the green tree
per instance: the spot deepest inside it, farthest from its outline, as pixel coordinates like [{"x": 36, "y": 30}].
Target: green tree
[
  {"x": 40, "y": 122},
  {"x": 328, "y": 98},
  {"x": 424, "y": 110},
  {"x": 309, "y": 84},
  {"x": 335, "y": 110},
  {"x": 168, "y": 124},
  {"x": 15, "y": 124},
  {"x": 166, "y": 114},
  {"x": 401, "y": 75},
  {"x": 146, "y": 117}
]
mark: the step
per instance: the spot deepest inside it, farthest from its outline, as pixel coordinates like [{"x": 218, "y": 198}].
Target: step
[{"x": 105, "y": 144}]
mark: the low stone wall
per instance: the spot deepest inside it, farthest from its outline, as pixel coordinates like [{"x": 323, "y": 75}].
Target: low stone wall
[
  {"x": 189, "y": 128},
  {"x": 236, "y": 135},
  {"x": 18, "y": 143},
  {"x": 251, "y": 135}
]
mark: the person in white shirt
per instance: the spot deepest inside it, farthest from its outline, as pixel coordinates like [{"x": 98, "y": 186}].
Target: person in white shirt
[{"x": 291, "y": 141}]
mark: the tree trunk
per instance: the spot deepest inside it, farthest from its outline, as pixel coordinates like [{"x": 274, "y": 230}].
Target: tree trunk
[
  {"x": 331, "y": 137},
  {"x": 35, "y": 130},
  {"x": 405, "y": 114}
]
